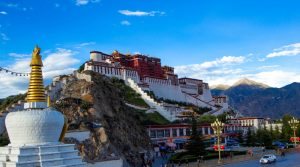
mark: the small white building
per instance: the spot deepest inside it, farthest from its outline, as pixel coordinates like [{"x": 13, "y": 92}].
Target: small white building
[{"x": 256, "y": 122}]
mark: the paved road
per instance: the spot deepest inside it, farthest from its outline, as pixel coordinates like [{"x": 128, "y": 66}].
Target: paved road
[{"x": 290, "y": 160}]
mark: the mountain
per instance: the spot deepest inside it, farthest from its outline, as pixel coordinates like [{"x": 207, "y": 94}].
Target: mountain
[
  {"x": 251, "y": 98},
  {"x": 272, "y": 102},
  {"x": 242, "y": 87},
  {"x": 246, "y": 81}
]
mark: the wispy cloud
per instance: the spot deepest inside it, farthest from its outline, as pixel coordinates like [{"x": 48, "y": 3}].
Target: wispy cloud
[
  {"x": 125, "y": 23},
  {"x": 62, "y": 61},
  {"x": 221, "y": 70},
  {"x": 140, "y": 13},
  {"x": 84, "y": 44},
  {"x": 268, "y": 67},
  {"x": 85, "y": 2},
  {"x": 17, "y": 55},
  {"x": 3, "y": 13},
  {"x": 276, "y": 78},
  {"x": 4, "y": 37},
  {"x": 12, "y": 5},
  {"x": 288, "y": 50},
  {"x": 220, "y": 62}
]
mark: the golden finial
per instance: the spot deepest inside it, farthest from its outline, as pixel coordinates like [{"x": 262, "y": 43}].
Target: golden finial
[
  {"x": 36, "y": 57},
  {"x": 36, "y": 91},
  {"x": 115, "y": 52}
]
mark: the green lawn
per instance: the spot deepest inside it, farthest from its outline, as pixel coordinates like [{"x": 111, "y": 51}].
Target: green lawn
[
  {"x": 150, "y": 118},
  {"x": 129, "y": 94}
]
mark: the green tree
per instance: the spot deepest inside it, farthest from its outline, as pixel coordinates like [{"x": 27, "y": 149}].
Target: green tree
[
  {"x": 259, "y": 137},
  {"x": 286, "y": 131},
  {"x": 222, "y": 117},
  {"x": 272, "y": 132},
  {"x": 195, "y": 146},
  {"x": 250, "y": 138},
  {"x": 206, "y": 119},
  {"x": 276, "y": 133},
  {"x": 266, "y": 137},
  {"x": 240, "y": 137}
]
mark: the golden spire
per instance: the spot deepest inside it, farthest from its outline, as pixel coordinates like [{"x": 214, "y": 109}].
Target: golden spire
[{"x": 36, "y": 91}]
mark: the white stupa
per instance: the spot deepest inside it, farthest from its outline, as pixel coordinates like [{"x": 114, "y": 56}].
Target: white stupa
[{"x": 34, "y": 132}]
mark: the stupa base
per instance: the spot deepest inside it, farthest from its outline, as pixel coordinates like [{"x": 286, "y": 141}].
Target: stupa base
[{"x": 55, "y": 155}]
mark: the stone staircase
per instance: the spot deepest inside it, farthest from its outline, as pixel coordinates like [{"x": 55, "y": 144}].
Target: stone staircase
[
  {"x": 57, "y": 155},
  {"x": 202, "y": 102},
  {"x": 215, "y": 110},
  {"x": 151, "y": 102}
]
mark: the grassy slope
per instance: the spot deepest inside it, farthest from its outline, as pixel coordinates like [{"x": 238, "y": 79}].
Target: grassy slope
[
  {"x": 130, "y": 95},
  {"x": 150, "y": 118}
]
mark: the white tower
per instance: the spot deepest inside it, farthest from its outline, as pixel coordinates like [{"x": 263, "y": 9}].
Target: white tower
[{"x": 34, "y": 132}]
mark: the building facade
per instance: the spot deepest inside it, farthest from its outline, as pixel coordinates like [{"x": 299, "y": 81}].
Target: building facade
[{"x": 148, "y": 73}]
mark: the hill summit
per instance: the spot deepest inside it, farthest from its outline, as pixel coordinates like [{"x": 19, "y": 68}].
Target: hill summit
[
  {"x": 241, "y": 82},
  {"x": 246, "y": 81}
]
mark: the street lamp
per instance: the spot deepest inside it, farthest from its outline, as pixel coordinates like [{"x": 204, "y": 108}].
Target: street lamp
[
  {"x": 218, "y": 126},
  {"x": 294, "y": 124}
]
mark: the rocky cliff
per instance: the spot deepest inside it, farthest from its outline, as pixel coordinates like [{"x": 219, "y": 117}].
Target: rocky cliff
[{"x": 98, "y": 106}]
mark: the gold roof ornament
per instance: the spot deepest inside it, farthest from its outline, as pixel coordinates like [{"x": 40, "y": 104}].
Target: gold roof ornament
[{"x": 36, "y": 91}]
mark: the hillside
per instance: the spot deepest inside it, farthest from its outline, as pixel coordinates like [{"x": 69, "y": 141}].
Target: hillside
[
  {"x": 103, "y": 103},
  {"x": 99, "y": 106},
  {"x": 255, "y": 99}
]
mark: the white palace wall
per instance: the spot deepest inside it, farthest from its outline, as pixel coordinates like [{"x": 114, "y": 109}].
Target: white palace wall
[
  {"x": 111, "y": 71},
  {"x": 162, "y": 88},
  {"x": 174, "y": 92}
]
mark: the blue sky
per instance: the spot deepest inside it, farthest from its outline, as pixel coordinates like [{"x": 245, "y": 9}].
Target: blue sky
[{"x": 218, "y": 41}]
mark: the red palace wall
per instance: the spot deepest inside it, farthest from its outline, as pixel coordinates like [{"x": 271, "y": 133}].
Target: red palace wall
[{"x": 144, "y": 65}]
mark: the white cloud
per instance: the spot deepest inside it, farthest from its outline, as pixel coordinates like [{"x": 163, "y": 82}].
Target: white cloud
[
  {"x": 3, "y": 13},
  {"x": 224, "y": 61},
  {"x": 276, "y": 78},
  {"x": 85, "y": 2},
  {"x": 288, "y": 50},
  {"x": 78, "y": 46},
  {"x": 140, "y": 13},
  {"x": 17, "y": 55},
  {"x": 14, "y": 5},
  {"x": 56, "y": 63},
  {"x": 4, "y": 37},
  {"x": 219, "y": 71},
  {"x": 125, "y": 23},
  {"x": 224, "y": 71},
  {"x": 268, "y": 67}
]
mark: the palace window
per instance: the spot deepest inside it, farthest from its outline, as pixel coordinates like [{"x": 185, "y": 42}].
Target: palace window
[
  {"x": 188, "y": 132},
  {"x": 181, "y": 132},
  {"x": 160, "y": 133},
  {"x": 167, "y": 133},
  {"x": 205, "y": 130},
  {"x": 174, "y": 132},
  {"x": 152, "y": 134}
]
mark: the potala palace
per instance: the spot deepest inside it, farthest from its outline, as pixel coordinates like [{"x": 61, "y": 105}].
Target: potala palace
[{"x": 146, "y": 74}]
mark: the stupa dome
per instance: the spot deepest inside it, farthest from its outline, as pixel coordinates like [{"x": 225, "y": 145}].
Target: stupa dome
[{"x": 34, "y": 127}]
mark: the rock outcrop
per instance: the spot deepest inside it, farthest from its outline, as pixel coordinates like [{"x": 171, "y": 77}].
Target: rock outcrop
[{"x": 99, "y": 107}]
